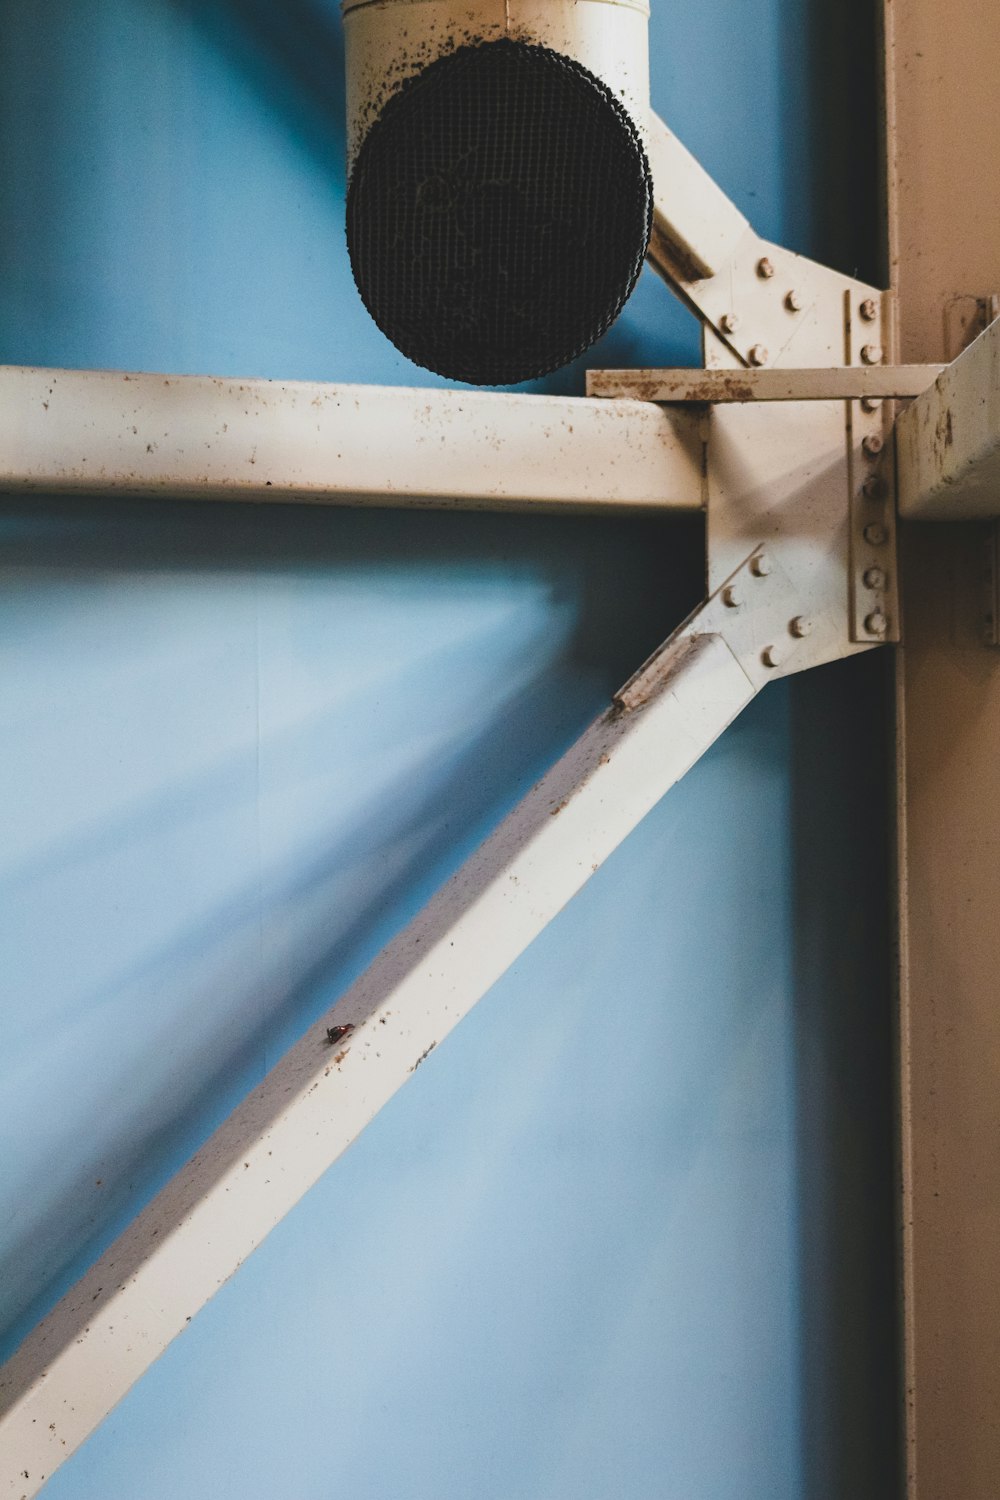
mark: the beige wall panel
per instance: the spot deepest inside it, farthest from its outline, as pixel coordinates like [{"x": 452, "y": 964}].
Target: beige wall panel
[
  {"x": 943, "y": 61},
  {"x": 944, "y": 58},
  {"x": 950, "y": 753}
]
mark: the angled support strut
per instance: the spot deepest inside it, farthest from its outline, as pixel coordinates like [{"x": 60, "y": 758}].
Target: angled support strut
[{"x": 82, "y": 1359}]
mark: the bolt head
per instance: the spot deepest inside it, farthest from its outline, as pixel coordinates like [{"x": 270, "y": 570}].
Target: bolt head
[
  {"x": 759, "y": 355},
  {"x": 794, "y": 301},
  {"x": 875, "y": 534},
  {"x": 872, "y": 444},
  {"x": 874, "y": 578},
  {"x": 800, "y": 627},
  {"x": 874, "y": 487},
  {"x": 731, "y": 596},
  {"x": 876, "y": 623},
  {"x": 871, "y": 354},
  {"x": 869, "y": 310},
  {"x": 760, "y": 565},
  {"x": 772, "y": 656},
  {"x": 765, "y": 269},
  {"x": 729, "y": 322},
  {"x": 871, "y": 403}
]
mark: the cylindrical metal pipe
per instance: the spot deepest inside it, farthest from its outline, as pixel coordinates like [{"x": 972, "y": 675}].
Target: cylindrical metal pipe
[
  {"x": 499, "y": 201},
  {"x": 388, "y": 41}
]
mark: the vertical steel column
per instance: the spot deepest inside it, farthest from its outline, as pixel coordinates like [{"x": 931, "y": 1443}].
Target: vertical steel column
[{"x": 942, "y": 63}]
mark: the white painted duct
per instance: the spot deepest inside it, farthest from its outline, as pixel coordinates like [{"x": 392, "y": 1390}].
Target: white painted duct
[
  {"x": 387, "y": 41},
  {"x": 499, "y": 201}
]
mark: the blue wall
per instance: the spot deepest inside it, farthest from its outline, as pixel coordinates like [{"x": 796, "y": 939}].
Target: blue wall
[{"x": 629, "y": 1233}]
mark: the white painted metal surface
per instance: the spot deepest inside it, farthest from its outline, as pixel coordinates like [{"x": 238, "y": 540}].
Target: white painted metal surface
[
  {"x": 696, "y": 228},
  {"x": 949, "y": 441},
  {"x": 943, "y": 221},
  {"x": 101, "y": 432},
  {"x": 387, "y": 41},
  {"x": 882, "y": 382},
  {"x": 143, "y": 1292},
  {"x": 814, "y": 475},
  {"x": 766, "y": 305}
]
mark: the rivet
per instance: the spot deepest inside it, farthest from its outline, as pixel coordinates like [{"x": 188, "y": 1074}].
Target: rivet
[
  {"x": 872, "y": 444},
  {"x": 759, "y": 355},
  {"x": 729, "y": 322},
  {"x": 875, "y": 534},
  {"x": 765, "y": 270},
  {"x": 731, "y": 596},
  {"x": 874, "y": 487},
  {"x": 868, "y": 310},
  {"x": 871, "y": 403},
  {"x": 874, "y": 578},
  {"x": 801, "y": 626},
  {"x": 871, "y": 354},
  {"x": 760, "y": 565},
  {"x": 772, "y": 656},
  {"x": 876, "y": 624},
  {"x": 793, "y": 302}
]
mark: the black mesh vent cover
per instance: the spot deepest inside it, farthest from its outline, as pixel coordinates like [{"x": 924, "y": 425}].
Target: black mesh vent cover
[{"x": 498, "y": 213}]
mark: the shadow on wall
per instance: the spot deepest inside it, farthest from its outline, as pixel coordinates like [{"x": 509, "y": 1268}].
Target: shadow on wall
[
  {"x": 402, "y": 768},
  {"x": 293, "y": 55},
  {"x": 843, "y": 145}
]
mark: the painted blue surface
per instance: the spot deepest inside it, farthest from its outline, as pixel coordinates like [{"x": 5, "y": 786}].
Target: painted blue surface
[{"x": 629, "y": 1232}]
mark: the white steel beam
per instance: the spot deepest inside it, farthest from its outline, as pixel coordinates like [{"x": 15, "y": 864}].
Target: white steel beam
[
  {"x": 712, "y": 387},
  {"x": 948, "y": 442},
  {"x": 82, "y": 1358},
  {"x": 98, "y": 432}
]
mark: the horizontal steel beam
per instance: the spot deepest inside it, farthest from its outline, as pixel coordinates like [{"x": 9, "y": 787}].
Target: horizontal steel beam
[
  {"x": 949, "y": 441},
  {"x": 852, "y": 383},
  {"x": 96, "y": 432}
]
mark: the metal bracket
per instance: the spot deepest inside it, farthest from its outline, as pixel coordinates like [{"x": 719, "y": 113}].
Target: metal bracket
[
  {"x": 761, "y": 304},
  {"x": 948, "y": 441},
  {"x": 871, "y": 466},
  {"x": 871, "y": 482},
  {"x": 768, "y": 305},
  {"x": 771, "y": 629},
  {"x": 803, "y": 455},
  {"x": 815, "y": 476},
  {"x": 785, "y": 473},
  {"x": 817, "y": 479},
  {"x": 715, "y": 387}
]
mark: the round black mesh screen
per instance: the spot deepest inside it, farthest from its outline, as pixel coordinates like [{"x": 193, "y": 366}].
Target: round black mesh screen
[{"x": 498, "y": 213}]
